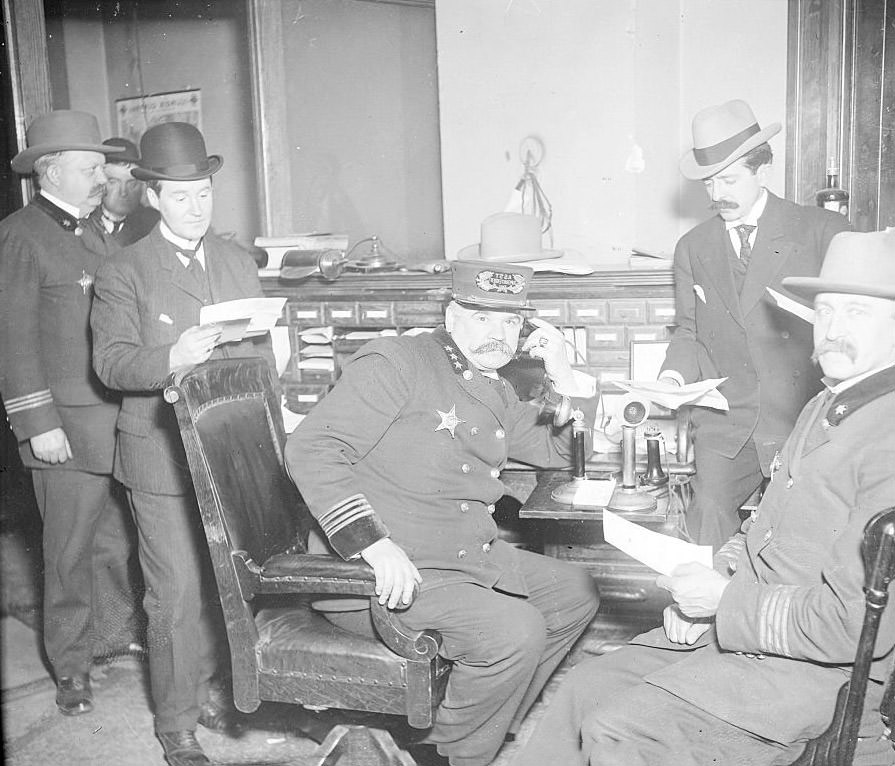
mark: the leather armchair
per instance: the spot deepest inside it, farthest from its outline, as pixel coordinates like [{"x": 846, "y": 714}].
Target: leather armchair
[{"x": 256, "y": 525}]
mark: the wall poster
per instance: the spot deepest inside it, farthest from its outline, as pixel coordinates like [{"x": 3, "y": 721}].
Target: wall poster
[{"x": 137, "y": 114}]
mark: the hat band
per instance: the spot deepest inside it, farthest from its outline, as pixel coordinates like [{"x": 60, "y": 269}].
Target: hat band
[
  {"x": 181, "y": 170},
  {"x": 709, "y": 155}
]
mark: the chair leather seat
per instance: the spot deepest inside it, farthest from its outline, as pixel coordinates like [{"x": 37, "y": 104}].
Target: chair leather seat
[{"x": 300, "y": 642}]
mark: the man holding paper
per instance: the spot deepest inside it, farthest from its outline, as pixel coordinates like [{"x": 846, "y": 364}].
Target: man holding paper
[
  {"x": 146, "y": 325},
  {"x": 728, "y": 326},
  {"x": 753, "y": 652}
]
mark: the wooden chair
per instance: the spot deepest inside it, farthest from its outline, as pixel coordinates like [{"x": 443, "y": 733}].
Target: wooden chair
[
  {"x": 256, "y": 526},
  {"x": 836, "y": 745}
]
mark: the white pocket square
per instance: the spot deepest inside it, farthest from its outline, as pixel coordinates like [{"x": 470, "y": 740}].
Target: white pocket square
[
  {"x": 167, "y": 320},
  {"x": 700, "y": 293}
]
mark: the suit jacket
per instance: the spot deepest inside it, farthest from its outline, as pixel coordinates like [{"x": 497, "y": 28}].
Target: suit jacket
[
  {"x": 762, "y": 350},
  {"x": 797, "y": 593},
  {"x": 410, "y": 443},
  {"x": 145, "y": 299},
  {"x": 136, "y": 226},
  {"x": 46, "y": 379}
]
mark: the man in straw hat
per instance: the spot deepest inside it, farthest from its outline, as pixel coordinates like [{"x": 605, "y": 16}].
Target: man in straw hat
[
  {"x": 400, "y": 463},
  {"x": 753, "y": 652},
  {"x": 728, "y": 325},
  {"x": 122, "y": 216},
  {"x": 146, "y": 325},
  {"x": 62, "y": 416}
]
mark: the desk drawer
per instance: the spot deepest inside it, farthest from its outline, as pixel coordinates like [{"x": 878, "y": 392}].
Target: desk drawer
[
  {"x": 555, "y": 312},
  {"x": 340, "y": 314},
  {"x": 304, "y": 314}
]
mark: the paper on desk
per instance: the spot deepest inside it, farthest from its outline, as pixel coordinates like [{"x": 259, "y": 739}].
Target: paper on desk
[
  {"x": 662, "y": 553},
  {"x": 703, "y": 393},
  {"x": 242, "y": 317},
  {"x": 793, "y": 307}
]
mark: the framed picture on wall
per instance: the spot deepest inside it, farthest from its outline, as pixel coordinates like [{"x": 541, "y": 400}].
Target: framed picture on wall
[{"x": 135, "y": 115}]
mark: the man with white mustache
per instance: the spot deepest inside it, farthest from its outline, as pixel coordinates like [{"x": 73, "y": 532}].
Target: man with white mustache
[{"x": 400, "y": 463}]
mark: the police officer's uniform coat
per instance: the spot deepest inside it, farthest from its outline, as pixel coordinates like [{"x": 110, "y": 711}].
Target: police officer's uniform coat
[
  {"x": 145, "y": 299},
  {"x": 762, "y": 351},
  {"x": 410, "y": 444},
  {"x": 47, "y": 265}
]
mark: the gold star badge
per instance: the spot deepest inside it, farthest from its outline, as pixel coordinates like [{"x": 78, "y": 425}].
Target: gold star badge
[{"x": 449, "y": 420}]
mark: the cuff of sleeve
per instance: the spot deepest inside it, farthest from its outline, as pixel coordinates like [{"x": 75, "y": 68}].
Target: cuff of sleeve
[
  {"x": 581, "y": 385},
  {"x": 673, "y": 375},
  {"x": 351, "y": 526}
]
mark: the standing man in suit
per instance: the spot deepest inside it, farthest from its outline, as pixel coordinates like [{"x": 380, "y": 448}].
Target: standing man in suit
[
  {"x": 146, "y": 326},
  {"x": 61, "y": 414},
  {"x": 753, "y": 652},
  {"x": 122, "y": 216},
  {"x": 728, "y": 326}
]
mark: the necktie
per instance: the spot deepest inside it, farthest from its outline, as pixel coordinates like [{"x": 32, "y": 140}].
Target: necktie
[
  {"x": 194, "y": 266},
  {"x": 744, "y": 230}
]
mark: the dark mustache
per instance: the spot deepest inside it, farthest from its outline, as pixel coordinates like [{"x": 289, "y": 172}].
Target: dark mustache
[
  {"x": 723, "y": 204},
  {"x": 840, "y": 346},
  {"x": 493, "y": 345}
]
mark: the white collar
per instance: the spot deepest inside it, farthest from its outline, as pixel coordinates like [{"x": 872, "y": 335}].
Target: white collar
[
  {"x": 73, "y": 210},
  {"x": 751, "y": 218},
  {"x": 842, "y": 385},
  {"x": 186, "y": 244}
]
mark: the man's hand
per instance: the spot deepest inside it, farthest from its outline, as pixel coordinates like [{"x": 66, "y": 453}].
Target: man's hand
[
  {"x": 696, "y": 589},
  {"x": 549, "y": 344},
  {"x": 51, "y": 447},
  {"x": 680, "y": 629},
  {"x": 396, "y": 575},
  {"x": 193, "y": 347}
]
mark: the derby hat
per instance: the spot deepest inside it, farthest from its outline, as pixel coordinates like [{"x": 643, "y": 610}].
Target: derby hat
[
  {"x": 175, "y": 151},
  {"x": 721, "y": 135},
  {"x": 486, "y": 285},
  {"x": 128, "y": 154},
  {"x": 509, "y": 238},
  {"x": 62, "y": 130},
  {"x": 858, "y": 263}
]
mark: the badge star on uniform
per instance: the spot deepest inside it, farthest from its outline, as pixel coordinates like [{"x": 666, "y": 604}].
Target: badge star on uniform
[
  {"x": 449, "y": 420},
  {"x": 841, "y": 409},
  {"x": 86, "y": 281}
]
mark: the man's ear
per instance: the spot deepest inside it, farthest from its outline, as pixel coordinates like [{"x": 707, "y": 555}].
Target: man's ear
[
  {"x": 152, "y": 197},
  {"x": 450, "y": 314},
  {"x": 763, "y": 172}
]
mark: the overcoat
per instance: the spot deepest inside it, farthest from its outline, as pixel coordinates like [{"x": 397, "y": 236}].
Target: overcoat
[
  {"x": 789, "y": 621},
  {"x": 410, "y": 443},
  {"x": 46, "y": 378},
  {"x": 762, "y": 350},
  {"x": 145, "y": 299}
]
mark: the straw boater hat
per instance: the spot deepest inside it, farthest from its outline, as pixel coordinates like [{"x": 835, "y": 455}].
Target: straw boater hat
[
  {"x": 175, "y": 151},
  {"x": 859, "y": 263},
  {"x": 62, "y": 130},
  {"x": 488, "y": 285},
  {"x": 721, "y": 135}
]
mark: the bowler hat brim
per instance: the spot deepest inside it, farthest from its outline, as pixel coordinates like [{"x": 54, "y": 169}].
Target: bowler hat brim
[
  {"x": 692, "y": 170},
  {"x": 180, "y": 172},
  {"x": 23, "y": 162}
]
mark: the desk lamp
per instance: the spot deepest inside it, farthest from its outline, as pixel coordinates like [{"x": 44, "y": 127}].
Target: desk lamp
[{"x": 627, "y": 497}]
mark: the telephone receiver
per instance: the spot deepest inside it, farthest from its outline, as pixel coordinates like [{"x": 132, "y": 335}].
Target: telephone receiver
[{"x": 528, "y": 328}]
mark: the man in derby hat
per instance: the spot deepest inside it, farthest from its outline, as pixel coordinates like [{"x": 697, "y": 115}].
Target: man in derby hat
[
  {"x": 146, "y": 325},
  {"x": 400, "y": 463},
  {"x": 752, "y": 653},
  {"x": 62, "y": 416},
  {"x": 122, "y": 216},
  {"x": 728, "y": 325}
]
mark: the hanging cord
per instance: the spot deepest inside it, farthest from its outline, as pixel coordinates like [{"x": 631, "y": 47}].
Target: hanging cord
[{"x": 534, "y": 200}]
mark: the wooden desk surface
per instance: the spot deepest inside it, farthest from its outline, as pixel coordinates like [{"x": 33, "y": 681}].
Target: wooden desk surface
[{"x": 540, "y": 505}]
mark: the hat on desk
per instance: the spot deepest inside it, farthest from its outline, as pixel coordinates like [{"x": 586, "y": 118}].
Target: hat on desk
[
  {"x": 62, "y": 130},
  {"x": 175, "y": 151},
  {"x": 495, "y": 286},
  {"x": 860, "y": 263},
  {"x": 721, "y": 135}
]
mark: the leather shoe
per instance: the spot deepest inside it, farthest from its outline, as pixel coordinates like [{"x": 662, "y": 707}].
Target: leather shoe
[
  {"x": 74, "y": 695},
  {"x": 221, "y": 719},
  {"x": 182, "y": 749},
  {"x": 426, "y": 754}
]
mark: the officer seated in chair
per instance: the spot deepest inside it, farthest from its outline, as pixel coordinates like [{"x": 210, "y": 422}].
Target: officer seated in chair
[{"x": 400, "y": 464}]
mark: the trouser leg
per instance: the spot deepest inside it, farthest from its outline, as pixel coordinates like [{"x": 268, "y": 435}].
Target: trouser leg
[
  {"x": 118, "y": 583},
  {"x": 181, "y": 643},
  {"x": 720, "y": 486},
  {"x": 71, "y": 504}
]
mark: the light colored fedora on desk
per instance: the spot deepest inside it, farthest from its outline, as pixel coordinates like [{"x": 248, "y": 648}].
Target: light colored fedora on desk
[{"x": 517, "y": 238}]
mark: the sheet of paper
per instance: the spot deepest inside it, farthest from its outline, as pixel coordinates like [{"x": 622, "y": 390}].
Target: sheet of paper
[
  {"x": 793, "y": 307},
  {"x": 703, "y": 393},
  {"x": 593, "y": 493},
  {"x": 243, "y": 317},
  {"x": 662, "y": 553}
]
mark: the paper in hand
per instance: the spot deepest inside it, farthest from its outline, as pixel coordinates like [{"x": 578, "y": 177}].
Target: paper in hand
[
  {"x": 662, "y": 553},
  {"x": 703, "y": 393},
  {"x": 242, "y": 318}
]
